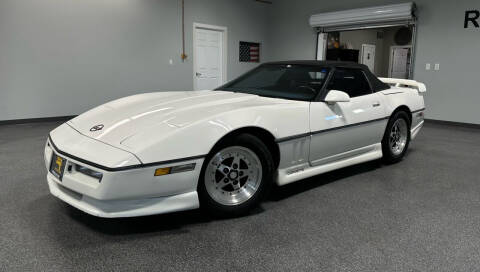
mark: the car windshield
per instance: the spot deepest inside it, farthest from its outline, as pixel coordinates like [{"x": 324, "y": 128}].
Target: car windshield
[{"x": 296, "y": 82}]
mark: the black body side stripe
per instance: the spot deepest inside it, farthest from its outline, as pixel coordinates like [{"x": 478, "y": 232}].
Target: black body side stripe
[
  {"x": 415, "y": 111},
  {"x": 123, "y": 168},
  {"x": 289, "y": 138},
  {"x": 293, "y": 137},
  {"x": 350, "y": 125}
]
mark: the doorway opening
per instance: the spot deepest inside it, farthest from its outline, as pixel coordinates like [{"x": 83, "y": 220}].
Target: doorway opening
[
  {"x": 387, "y": 51},
  {"x": 381, "y": 37},
  {"x": 209, "y": 56}
]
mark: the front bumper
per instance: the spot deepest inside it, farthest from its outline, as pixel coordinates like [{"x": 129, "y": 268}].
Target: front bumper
[
  {"x": 123, "y": 208},
  {"x": 125, "y": 193}
]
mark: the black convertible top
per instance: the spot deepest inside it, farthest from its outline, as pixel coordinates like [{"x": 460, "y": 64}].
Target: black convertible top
[
  {"x": 323, "y": 63},
  {"x": 376, "y": 84}
]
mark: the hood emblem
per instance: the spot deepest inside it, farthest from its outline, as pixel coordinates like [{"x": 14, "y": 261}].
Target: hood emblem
[{"x": 96, "y": 128}]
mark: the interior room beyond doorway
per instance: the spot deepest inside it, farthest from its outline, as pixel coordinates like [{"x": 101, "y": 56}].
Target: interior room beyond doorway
[{"x": 386, "y": 51}]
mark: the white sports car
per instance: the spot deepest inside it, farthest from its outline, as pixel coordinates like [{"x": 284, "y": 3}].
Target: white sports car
[{"x": 282, "y": 122}]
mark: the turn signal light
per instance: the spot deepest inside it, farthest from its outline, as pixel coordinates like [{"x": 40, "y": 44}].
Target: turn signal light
[
  {"x": 162, "y": 171},
  {"x": 174, "y": 169}
]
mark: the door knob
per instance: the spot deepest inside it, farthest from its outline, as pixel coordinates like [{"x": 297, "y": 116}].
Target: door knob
[{"x": 198, "y": 74}]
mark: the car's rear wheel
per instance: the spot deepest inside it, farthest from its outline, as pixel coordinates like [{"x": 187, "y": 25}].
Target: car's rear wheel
[
  {"x": 235, "y": 176},
  {"x": 396, "y": 138}
]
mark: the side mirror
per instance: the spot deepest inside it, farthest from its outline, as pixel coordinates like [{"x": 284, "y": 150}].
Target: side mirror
[{"x": 335, "y": 96}]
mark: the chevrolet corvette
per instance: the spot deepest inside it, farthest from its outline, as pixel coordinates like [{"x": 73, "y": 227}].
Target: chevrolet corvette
[{"x": 222, "y": 149}]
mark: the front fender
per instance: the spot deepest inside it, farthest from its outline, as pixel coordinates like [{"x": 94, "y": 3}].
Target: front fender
[{"x": 190, "y": 136}]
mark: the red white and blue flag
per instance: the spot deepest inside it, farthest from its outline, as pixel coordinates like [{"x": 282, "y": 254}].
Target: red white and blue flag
[{"x": 249, "y": 52}]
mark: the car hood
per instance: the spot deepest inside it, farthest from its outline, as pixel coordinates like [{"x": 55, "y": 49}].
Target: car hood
[{"x": 115, "y": 122}]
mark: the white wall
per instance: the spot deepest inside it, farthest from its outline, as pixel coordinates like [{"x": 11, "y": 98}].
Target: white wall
[
  {"x": 453, "y": 91},
  {"x": 62, "y": 57}
]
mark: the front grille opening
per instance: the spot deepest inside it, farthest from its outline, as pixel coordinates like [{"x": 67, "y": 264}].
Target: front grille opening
[{"x": 71, "y": 193}]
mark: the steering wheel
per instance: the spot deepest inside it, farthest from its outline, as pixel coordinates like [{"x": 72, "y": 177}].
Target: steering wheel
[{"x": 307, "y": 87}]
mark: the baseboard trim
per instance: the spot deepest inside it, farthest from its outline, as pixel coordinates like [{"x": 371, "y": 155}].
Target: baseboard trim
[
  {"x": 451, "y": 123},
  {"x": 36, "y": 120}
]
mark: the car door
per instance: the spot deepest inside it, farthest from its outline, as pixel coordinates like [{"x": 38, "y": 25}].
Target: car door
[{"x": 346, "y": 129}]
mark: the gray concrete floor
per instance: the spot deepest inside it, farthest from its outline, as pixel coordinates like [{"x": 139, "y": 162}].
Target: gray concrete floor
[{"x": 422, "y": 214}]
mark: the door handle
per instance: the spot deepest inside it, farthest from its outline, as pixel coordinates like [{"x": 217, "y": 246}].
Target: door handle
[
  {"x": 376, "y": 104},
  {"x": 198, "y": 74}
]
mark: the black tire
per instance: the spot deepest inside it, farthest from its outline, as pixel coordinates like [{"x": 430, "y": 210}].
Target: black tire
[
  {"x": 210, "y": 205},
  {"x": 388, "y": 155}
]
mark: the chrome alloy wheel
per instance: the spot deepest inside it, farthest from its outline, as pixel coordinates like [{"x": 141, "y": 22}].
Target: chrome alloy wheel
[
  {"x": 398, "y": 136},
  {"x": 233, "y": 175}
]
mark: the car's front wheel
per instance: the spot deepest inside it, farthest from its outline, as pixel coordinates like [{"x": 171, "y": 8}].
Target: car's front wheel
[
  {"x": 396, "y": 138},
  {"x": 235, "y": 176}
]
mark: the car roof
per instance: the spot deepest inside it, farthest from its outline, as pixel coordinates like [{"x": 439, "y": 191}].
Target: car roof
[
  {"x": 375, "y": 83},
  {"x": 319, "y": 63}
]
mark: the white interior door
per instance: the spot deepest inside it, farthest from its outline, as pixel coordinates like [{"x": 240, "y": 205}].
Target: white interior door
[
  {"x": 398, "y": 63},
  {"x": 368, "y": 56},
  {"x": 208, "y": 63}
]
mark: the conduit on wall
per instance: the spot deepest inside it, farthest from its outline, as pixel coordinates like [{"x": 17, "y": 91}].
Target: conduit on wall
[{"x": 183, "y": 56}]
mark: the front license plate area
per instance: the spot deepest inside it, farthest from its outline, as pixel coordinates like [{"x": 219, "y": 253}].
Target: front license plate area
[{"x": 57, "y": 166}]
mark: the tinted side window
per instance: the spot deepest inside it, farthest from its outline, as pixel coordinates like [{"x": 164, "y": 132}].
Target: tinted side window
[{"x": 351, "y": 81}]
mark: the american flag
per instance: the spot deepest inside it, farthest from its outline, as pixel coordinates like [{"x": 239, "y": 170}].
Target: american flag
[{"x": 249, "y": 52}]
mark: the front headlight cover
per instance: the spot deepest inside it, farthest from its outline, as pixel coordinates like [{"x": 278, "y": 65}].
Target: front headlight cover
[{"x": 89, "y": 172}]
